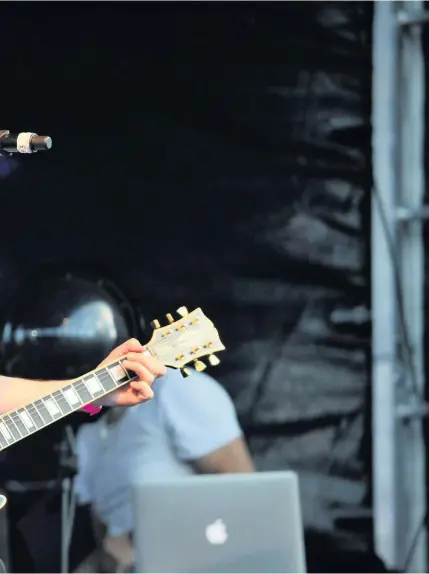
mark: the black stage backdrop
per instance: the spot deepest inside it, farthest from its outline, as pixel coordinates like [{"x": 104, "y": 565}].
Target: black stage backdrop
[{"x": 215, "y": 155}]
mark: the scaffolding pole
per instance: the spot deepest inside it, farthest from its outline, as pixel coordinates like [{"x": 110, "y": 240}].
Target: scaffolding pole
[{"x": 399, "y": 477}]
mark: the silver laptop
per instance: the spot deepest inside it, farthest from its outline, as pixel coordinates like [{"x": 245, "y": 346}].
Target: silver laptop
[{"x": 220, "y": 523}]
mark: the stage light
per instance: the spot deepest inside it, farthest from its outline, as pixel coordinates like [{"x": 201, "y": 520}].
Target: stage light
[{"x": 61, "y": 325}]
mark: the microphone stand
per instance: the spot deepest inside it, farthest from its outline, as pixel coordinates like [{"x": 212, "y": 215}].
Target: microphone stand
[{"x": 68, "y": 469}]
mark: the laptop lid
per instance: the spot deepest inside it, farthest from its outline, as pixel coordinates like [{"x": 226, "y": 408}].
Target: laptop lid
[{"x": 220, "y": 523}]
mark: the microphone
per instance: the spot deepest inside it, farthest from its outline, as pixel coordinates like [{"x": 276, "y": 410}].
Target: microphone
[{"x": 24, "y": 142}]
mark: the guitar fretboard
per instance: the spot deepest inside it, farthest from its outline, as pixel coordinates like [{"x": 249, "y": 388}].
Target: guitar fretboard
[{"x": 18, "y": 424}]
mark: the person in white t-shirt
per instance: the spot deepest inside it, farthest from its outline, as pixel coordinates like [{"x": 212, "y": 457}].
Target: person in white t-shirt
[{"x": 190, "y": 426}]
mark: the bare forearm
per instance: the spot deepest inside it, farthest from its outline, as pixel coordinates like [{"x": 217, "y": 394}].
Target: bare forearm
[
  {"x": 231, "y": 458},
  {"x": 15, "y": 392}
]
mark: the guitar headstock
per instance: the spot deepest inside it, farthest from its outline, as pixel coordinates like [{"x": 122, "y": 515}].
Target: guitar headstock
[{"x": 186, "y": 340}]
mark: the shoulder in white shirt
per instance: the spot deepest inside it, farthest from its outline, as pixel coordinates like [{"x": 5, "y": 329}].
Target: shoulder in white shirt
[{"x": 187, "y": 419}]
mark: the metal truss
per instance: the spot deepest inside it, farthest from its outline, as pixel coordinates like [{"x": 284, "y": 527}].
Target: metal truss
[{"x": 398, "y": 402}]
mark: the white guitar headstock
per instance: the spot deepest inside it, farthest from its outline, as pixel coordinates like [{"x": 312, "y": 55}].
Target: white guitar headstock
[{"x": 186, "y": 341}]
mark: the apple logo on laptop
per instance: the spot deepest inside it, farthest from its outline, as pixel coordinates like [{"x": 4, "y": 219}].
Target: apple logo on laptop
[{"x": 216, "y": 532}]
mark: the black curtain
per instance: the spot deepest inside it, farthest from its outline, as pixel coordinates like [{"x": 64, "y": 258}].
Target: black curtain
[{"x": 215, "y": 155}]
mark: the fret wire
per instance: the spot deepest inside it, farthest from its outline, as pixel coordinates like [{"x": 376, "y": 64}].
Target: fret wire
[
  {"x": 26, "y": 410},
  {"x": 27, "y": 414},
  {"x": 112, "y": 369},
  {"x": 1, "y": 432},
  {"x": 11, "y": 438},
  {"x": 56, "y": 402},
  {"x": 19, "y": 423},
  {"x": 43, "y": 411},
  {"x": 37, "y": 419},
  {"x": 87, "y": 388},
  {"x": 92, "y": 381},
  {"x": 128, "y": 373},
  {"x": 3, "y": 440},
  {"x": 12, "y": 427},
  {"x": 50, "y": 399},
  {"x": 6, "y": 433},
  {"x": 106, "y": 380},
  {"x": 70, "y": 393},
  {"x": 9, "y": 417},
  {"x": 83, "y": 392},
  {"x": 12, "y": 421},
  {"x": 63, "y": 402},
  {"x": 79, "y": 385}
]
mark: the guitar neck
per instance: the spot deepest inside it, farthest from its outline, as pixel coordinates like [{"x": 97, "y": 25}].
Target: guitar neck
[
  {"x": 175, "y": 345},
  {"x": 20, "y": 423}
]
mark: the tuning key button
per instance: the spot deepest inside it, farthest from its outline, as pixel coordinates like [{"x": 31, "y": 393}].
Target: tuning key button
[
  {"x": 199, "y": 366},
  {"x": 213, "y": 360},
  {"x": 155, "y": 324},
  {"x": 185, "y": 372},
  {"x": 182, "y": 311},
  {"x": 170, "y": 318}
]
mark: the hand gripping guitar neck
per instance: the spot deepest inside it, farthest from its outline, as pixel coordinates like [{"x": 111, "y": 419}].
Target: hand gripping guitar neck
[{"x": 178, "y": 344}]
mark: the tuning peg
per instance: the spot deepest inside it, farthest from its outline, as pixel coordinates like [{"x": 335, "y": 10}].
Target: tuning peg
[
  {"x": 155, "y": 324},
  {"x": 185, "y": 372},
  {"x": 170, "y": 318},
  {"x": 182, "y": 311},
  {"x": 213, "y": 360},
  {"x": 199, "y": 366}
]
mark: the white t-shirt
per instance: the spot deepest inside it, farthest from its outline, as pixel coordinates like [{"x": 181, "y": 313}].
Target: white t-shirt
[{"x": 187, "y": 419}]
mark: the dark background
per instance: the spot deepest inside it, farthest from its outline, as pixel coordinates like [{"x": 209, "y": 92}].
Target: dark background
[{"x": 214, "y": 155}]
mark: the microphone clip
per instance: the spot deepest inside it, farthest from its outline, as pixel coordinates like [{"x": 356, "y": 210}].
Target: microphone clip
[{"x": 23, "y": 143}]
